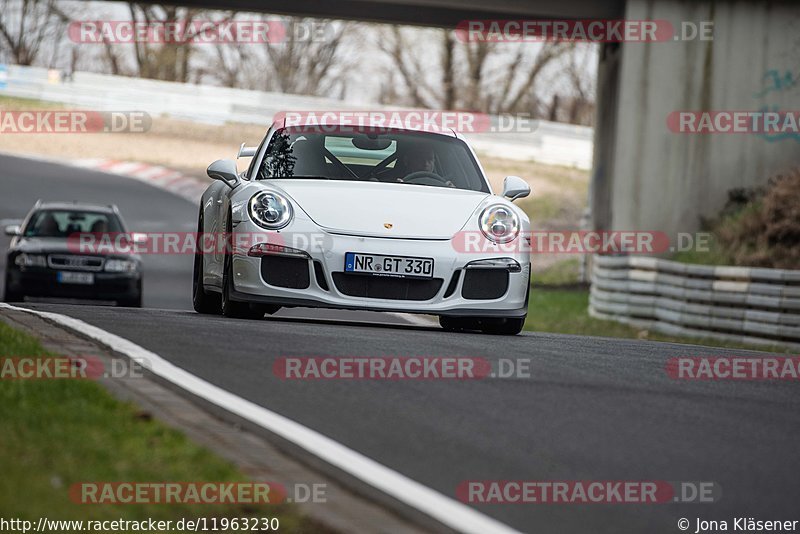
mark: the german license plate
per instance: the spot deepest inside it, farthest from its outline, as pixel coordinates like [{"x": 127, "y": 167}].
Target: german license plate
[
  {"x": 65, "y": 277},
  {"x": 355, "y": 262}
]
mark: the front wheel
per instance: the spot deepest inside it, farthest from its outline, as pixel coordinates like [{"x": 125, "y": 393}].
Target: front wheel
[
  {"x": 232, "y": 308},
  {"x": 202, "y": 301},
  {"x": 235, "y": 309},
  {"x": 510, "y": 326},
  {"x": 10, "y": 295},
  {"x": 458, "y": 324},
  {"x": 506, "y": 326},
  {"x": 134, "y": 301}
]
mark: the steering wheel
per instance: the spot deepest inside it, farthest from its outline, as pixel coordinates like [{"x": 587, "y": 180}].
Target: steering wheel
[{"x": 425, "y": 178}]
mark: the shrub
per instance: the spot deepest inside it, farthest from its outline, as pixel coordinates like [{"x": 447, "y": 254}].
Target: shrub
[{"x": 761, "y": 227}]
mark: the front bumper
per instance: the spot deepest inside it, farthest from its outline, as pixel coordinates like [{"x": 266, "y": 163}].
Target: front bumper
[
  {"x": 320, "y": 280},
  {"x": 43, "y": 282}
]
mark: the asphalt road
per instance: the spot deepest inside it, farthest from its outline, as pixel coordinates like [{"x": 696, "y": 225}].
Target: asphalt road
[{"x": 592, "y": 409}]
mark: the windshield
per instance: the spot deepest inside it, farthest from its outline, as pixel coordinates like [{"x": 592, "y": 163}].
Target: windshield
[
  {"x": 390, "y": 156},
  {"x": 63, "y": 223}
]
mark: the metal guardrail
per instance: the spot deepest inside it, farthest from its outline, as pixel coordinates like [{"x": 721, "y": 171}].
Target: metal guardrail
[
  {"x": 742, "y": 304},
  {"x": 551, "y": 142}
]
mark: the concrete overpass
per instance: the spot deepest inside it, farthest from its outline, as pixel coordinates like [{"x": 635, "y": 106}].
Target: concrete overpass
[
  {"x": 440, "y": 13},
  {"x": 644, "y": 176}
]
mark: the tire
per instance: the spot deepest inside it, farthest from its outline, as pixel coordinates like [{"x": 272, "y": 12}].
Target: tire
[
  {"x": 135, "y": 302},
  {"x": 504, "y": 326},
  {"x": 202, "y": 300},
  {"x": 509, "y": 326},
  {"x": 267, "y": 309},
  {"x": 458, "y": 324},
  {"x": 231, "y": 308},
  {"x": 449, "y": 324},
  {"x": 12, "y": 296}
]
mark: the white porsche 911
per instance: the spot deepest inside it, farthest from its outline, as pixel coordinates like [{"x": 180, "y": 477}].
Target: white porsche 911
[{"x": 360, "y": 218}]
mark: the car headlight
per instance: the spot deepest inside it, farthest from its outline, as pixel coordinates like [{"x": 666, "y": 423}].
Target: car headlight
[
  {"x": 270, "y": 210},
  {"x": 31, "y": 260},
  {"x": 499, "y": 224},
  {"x": 120, "y": 266}
]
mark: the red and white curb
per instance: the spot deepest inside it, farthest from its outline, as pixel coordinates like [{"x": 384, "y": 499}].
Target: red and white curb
[{"x": 162, "y": 177}]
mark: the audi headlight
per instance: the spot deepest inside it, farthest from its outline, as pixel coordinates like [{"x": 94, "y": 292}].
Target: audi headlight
[
  {"x": 270, "y": 210},
  {"x": 120, "y": 266},
  {"x": 31, "y": 260},
  {"x": 499, "y": 224}
]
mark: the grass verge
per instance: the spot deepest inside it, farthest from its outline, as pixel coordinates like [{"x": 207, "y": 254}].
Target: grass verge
[
  {"x": 13, "y": 103},
  {"x": 60, "y": 432}
]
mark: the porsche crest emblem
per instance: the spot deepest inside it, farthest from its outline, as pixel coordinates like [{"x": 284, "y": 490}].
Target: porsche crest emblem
[{"x": 388, "y": 226}]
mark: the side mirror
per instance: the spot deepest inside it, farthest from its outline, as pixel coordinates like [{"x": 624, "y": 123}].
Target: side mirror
[
  {"x": 13, "y": 230},
  {"x": 515, "y": 187},
  {"x": 225, "y": 170}
]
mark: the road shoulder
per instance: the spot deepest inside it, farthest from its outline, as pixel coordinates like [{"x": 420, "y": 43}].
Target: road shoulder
[{"x": 255, "y": 456}]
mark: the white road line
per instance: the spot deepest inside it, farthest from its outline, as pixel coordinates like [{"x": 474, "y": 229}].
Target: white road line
[{"x": 446, "y": 510}]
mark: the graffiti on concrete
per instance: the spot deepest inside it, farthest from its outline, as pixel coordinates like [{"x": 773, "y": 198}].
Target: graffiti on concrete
[{"x": 777, "y": 81}]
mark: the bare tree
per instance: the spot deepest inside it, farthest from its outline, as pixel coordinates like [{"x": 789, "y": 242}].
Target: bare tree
[
  {"x": 305, "y": 62},
  {"x": 224, "y": 62},
  {"x": 582, "y": 83},
  {"x": 477, "y": 53},
  {"x": 163, "y": 61},
  {"x": 521, "y": 94},
  {"x": 406, "y": 63},
  {"x": 572, "y": 90},
  {"x": 111, "y": 57},
  {"x": 307, "y": 66},
  {"x": 25, "y": 25},
  {"x": 229, "y": 63},
  {"x": 493, "y": 78}
]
